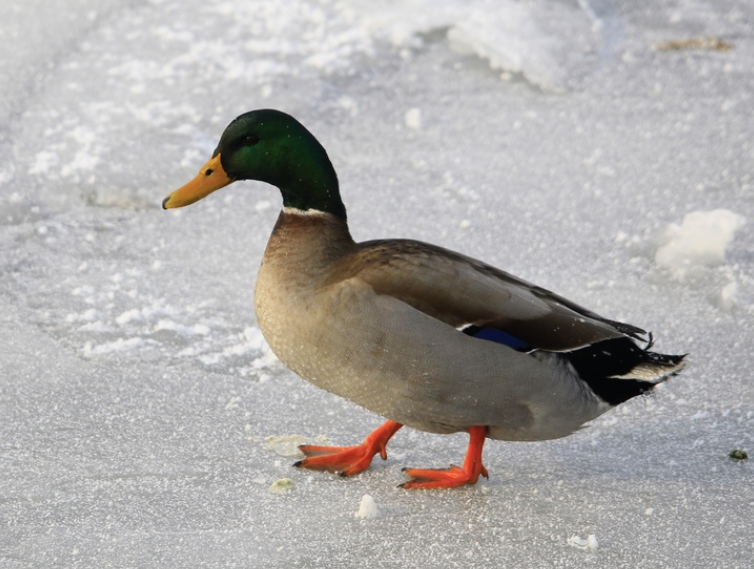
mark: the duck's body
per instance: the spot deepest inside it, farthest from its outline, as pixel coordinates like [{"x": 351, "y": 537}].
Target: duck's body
[
  {"x": 418, "y": 334},
  {"x": 376, "y": 349}
]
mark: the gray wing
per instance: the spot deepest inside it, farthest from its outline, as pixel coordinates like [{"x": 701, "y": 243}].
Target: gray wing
[{"x": 462, "y": 291}]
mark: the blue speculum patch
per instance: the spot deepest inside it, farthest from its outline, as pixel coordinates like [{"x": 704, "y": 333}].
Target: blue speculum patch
[{"x": 497, "y": 336}]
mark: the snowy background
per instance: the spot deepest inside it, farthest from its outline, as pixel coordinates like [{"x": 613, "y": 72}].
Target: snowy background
[{"x": 583, "y": 145}]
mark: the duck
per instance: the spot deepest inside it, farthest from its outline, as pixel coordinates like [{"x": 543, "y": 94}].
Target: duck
[{"x": 421, "y": 335}]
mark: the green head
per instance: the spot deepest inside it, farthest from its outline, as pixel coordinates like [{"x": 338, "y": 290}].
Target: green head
[{"x": 273, "y": 147}]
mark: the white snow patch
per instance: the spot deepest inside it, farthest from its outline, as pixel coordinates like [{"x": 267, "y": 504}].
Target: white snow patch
[
  {"x": 207, "y": 359},
  {"x": 701, "y": 240},
  {"x": 588, "y": 544},
  {"x": 43, "y": 161},
  {"x": 728, "y": 296},
  {"x": 234, "y": 403},
  {"x": 368, "y": 509},
  {"x": 251, "y": 340},
  {"x": 6, "y": 175},
  {"x": 129, "y": 316},
  {"x": 85, "y": 158},
  {"x": 170, "y": 325},
  {"x": 119, "y": 345},
  {"x": 548, "y": 43},
  {"x": 524, "y": 48},
  {"x": 253, "y": 336},
  {"x": 98, "y": 326},
  {"x": 88, "y": 315},
  {"x": 413, "y": 118}
]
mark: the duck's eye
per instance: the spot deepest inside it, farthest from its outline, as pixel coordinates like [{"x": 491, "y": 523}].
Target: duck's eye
[{"x": 250, "y": 140}]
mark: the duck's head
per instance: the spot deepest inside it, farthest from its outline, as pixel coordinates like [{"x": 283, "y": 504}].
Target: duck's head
[{"x": 273, "y": 147}]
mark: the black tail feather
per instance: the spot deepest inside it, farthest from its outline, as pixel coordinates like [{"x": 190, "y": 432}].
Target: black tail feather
[{"x": 617, "y": 369}]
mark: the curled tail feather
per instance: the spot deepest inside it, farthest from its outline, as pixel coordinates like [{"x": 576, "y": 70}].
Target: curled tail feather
[{"x": 617, "y": 369}]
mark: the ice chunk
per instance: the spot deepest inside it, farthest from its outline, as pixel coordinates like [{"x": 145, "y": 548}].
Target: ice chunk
[
  {"x": 588, "y": 544},
  {"x": 368, "y": 509},
  {"x": 413, "y": 118},
  {"x": 548, "y": 43},
  {"x": 699, "y": 241},
  {"x": 728, "y": 296}
]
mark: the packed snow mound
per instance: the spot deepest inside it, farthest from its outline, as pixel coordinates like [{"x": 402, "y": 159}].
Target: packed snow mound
[
  {"x": 701, "y": 240},
  {"x": 368, "y": 509},
  {"x": 551, "y": 44}
]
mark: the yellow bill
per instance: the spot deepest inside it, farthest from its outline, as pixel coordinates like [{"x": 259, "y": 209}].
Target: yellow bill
[{"x": 211, "y": 177}]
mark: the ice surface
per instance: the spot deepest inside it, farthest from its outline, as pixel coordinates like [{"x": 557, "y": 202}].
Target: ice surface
[{"x": 144, "y": 421}]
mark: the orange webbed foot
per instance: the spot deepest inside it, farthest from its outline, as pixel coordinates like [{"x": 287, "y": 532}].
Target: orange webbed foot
[
  {"x": 348, "y": 461},
  {"x": 454, "y": 476},
  {"x": 345, "y": 461},
  {"x": 448, "y": 478}
]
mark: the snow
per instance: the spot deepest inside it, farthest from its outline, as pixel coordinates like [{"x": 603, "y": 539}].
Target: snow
[
  {"x": 701, "y": 240},
  {"x": 413, "y": 118},
  {"x": 589, "y": 544},
  {"x": 144, "y": 421},
  {"x": 368, "y": 508}
]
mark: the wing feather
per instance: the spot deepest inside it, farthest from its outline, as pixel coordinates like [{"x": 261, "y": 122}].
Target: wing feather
[{"x": 461, "y": 291}]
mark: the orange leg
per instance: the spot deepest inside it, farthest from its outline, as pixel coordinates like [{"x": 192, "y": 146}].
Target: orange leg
[
  {"x": 453, "y": 476},
  {"x": 348, "y": 461}
]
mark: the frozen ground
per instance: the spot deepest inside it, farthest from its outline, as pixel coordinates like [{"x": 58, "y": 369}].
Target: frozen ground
[{"x": 559, "y": 140}]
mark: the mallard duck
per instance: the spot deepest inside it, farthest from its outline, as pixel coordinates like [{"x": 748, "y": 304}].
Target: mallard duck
[{"x": 421, "y": 335}]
